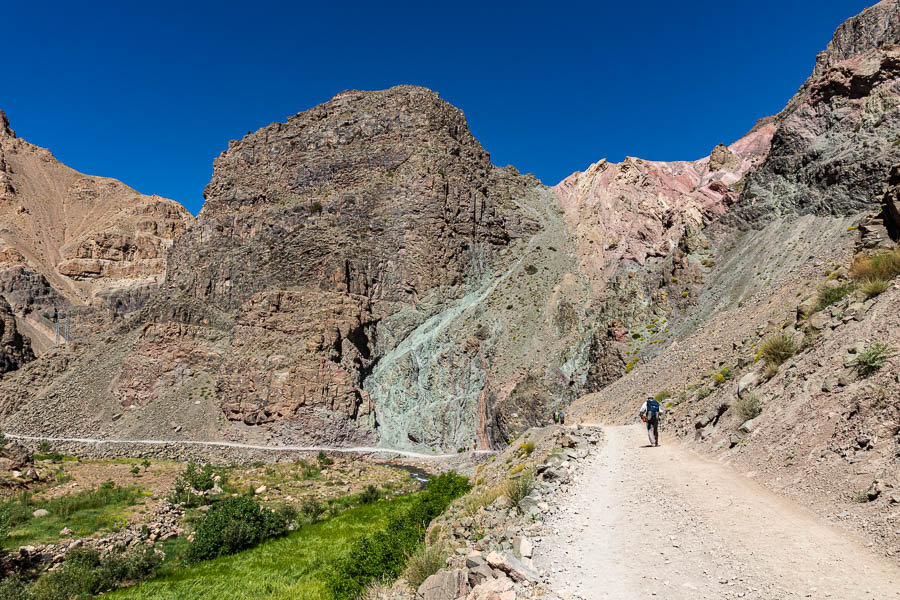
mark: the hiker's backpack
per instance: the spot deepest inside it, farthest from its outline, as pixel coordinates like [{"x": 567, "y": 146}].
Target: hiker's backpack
[{"x": 652, "y": 409}]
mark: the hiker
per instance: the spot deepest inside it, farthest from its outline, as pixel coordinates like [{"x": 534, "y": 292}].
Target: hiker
[
  {"x": 558, "y": 417},
  {"x": 650, "y": 415}
]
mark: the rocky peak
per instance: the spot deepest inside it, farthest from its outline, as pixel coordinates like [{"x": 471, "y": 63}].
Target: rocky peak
[
  {"x": 874, "y": 27},
  {"x": 5, "y": 131},
  {"x": 722, "y": 159}
]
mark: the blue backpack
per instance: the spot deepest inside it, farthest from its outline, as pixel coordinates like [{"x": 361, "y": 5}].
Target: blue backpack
[{"x": 652, "y": 409}]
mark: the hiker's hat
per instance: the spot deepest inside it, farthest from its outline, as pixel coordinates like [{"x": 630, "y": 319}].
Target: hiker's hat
[{"x": 650, "y": 396}]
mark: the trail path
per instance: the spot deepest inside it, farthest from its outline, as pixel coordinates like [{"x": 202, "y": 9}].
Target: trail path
[
  {"x": 350, "y": 450},
  {"x": 664, "y": 522}
]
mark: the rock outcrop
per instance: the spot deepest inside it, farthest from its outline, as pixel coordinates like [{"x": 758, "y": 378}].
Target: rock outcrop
[
  {"x": 15, "y": 350},
  {"x": 93, "y": 240},
  {"x": 837, "y": 139}
]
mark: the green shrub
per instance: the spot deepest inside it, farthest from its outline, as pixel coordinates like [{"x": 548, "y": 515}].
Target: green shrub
[
  {"x": 384, "y": 553},
  {"x": 531, "y": 269},
  {"x": 777, "y": 348},
  {"x": 828, "y": 295},
  {"x": 369, "y": 495},
  {"x": 883, "y": 265},
  {"x": 324, "y": 460},
  {"x": 664, "y": 395},
  {"x": 85, "y": 574},
  {"x": 424, "y": 562},
  {"x": 703, "y": 393},
  {"x": 874, "y": 357},
  {"x": 192, "y": 480},
  {"x": 311, "y": 509},
  {"x": 873, "y": 287},
  {"x": 519, "y": 487},
  {"x": 235, "y": 524},
  {"x": 316, "y": 207},
  {"x": 525, "y": 449},
  {"x": 748, "y": 407}
]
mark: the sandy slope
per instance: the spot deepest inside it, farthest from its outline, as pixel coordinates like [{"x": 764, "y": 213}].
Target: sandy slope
[{"x": 666, "y": 523}]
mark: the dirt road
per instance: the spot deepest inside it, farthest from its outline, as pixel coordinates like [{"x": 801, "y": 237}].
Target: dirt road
[{"x": 663, "y": 522}]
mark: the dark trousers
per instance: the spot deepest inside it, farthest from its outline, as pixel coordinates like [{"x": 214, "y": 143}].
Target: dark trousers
[{"x": 653, "y": 430}]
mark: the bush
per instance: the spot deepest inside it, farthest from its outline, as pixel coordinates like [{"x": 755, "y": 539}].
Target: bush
[
  {"x": 424, "y": 562},
  {"x": 748, "y": 407},
  {"x": 235, "y": 524},
  {"x": 85, "y": 574},
  {"x": 525, "y": 449},
  {"x": 369, "y": 495},
  {"x": 519, "y": 487},
  {"x": 874, "y": 357},
  {"x": 703, "y": 393},
  {"x": 883, "y": 265},
  {"x": 324, "y": 460},
  {"x": 873, "y": 287},
  {"x": 828, "y": 295},
  {"x": 384, "y": 553},
  {"x": 665, "y": 395},
  {"x": 311, "y": 509},
  {"x": 777, "y": 349},
  {"x": 190, "y": 481}
]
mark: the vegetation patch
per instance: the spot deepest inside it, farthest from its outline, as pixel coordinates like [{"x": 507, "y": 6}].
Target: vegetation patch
[
  {"x": 828, "y": 295},
  {"x": 424, "y": 562},
  {"x": 384, "y": 553},
  {"x": 236, "y": 524},
  {"x": 297, "y": 566},
  {"x": 83, "y": 512},
  {"x": 882, "y": 265},
  {"x": 777, "y": 348},
  {"x": 874, "y": 287},
  {"x": 519, "y": 487},
  {"x": 873, "y": 358},
  {"x": 84, "y": 574},
  {"x": 748, "y": 407}
]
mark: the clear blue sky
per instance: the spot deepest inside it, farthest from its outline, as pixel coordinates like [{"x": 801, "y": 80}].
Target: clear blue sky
[{"x": 150, "y": 93}]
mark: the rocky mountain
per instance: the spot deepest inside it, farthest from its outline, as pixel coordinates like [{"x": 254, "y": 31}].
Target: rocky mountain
[
  {"x": 789, "y": 266},
  {"x": 362, "y": 274},
  {"x": 70, "y": 241}
]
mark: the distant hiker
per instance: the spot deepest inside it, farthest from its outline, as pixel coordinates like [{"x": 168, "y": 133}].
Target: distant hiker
[
  {"x": 558, "y": 417},
  {"x": 650, "y": 415}
]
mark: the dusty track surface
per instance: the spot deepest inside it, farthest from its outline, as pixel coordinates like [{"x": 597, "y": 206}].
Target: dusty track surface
[
  {"x": 342, "y": 450},
  {"x": 663, "y": 522}
]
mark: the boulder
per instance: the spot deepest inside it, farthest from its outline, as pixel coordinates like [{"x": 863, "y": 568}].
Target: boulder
[
  {"x": 523, "y": 547},
  {"x": 748, "y": 426},
  {"x": 513, "y": 567},
  {"x": 18, "y": 456},
  {"x": 806, "y": 308},
  {"x": 500, "y": 588},
  {"x": 39, "y": 513},
  {"x": 748, "y": 381},
  {"x": 819, "y": 321},
  {"x": 445, "y": 585}
]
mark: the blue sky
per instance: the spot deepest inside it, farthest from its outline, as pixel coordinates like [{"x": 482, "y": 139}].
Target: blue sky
[{"x": 150, "y": 93}]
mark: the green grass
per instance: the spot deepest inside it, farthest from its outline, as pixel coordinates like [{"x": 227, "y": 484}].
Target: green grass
[
  {"x": 777, "y": 348},
  {"x": 294, "y": 567},
  {"x": 832, "y": 295},
  {"x": 84, "y": 513}
]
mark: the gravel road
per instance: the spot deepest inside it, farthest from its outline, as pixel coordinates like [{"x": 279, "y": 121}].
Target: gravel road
[{"x": 664, "y": 522}]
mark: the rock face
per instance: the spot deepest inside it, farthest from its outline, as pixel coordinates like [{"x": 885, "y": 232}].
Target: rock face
[
  {"x": 15, "y": 350},
  {"x": 362, "y": 273},
  {"x": 639, "y": 209},
  {"x": 325, "y": 243},
  {"x": 92, "y": 240},
  {"x": 835, "y": 142}
]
